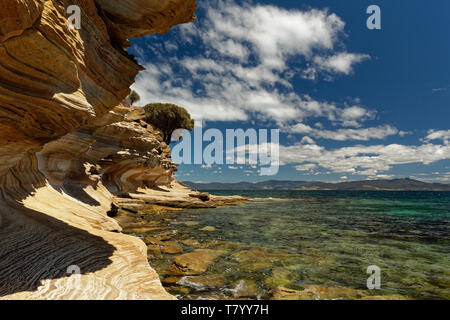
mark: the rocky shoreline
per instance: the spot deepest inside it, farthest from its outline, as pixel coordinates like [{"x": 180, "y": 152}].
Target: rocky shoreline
[
  {"x": 189, "y": 255},
  {"x": 151, "y": 216},
  {"x": 70, "y": 192}
]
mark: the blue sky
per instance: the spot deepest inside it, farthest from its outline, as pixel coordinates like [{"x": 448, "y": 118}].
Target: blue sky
[{"x": 351, "y": 103}]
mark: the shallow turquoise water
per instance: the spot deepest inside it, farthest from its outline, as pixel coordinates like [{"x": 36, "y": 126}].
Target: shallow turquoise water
[{"x": 327, "y": 238}]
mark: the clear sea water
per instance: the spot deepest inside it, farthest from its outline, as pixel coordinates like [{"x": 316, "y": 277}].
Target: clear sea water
[{"x": 326, "y": 238}]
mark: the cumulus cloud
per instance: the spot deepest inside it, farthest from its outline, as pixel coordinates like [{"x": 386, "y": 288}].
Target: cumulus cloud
[
  {"x": 237, "y": 64},
  {"x": 364, "y": 134},
  {"x": 362, "y": 160},
  {"x": 374, "y": 161},
  {"x": 341, "y": 63},
  {"x": 443, "y": 135},
  {"x": 306, "y": 167},
  {"x": 274, "y": 34},
  {"x": 307, "y": 140},
  {"x": 381, "y": 177},
  {"x": 352, "y": 116},
  {"x": 441, "y": 178}
]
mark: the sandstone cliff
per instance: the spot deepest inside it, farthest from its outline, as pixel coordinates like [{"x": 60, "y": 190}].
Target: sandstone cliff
[{"x": 68, "y": 147}]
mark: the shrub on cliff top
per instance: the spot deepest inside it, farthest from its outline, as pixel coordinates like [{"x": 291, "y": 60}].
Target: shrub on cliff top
[
  {"x": 134, "y": 97},
  {"x": 168, "y": 118}
]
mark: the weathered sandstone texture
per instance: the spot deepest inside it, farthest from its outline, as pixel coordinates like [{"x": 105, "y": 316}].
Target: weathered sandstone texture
[{"x": 68, "y": 147}]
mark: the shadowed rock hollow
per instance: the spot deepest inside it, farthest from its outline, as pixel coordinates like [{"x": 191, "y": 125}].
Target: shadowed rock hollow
[{"x": 68, "y": 146}]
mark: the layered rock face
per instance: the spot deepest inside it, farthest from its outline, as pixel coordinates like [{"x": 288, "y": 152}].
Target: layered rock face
[
  {"x": 54, "y": 79},
  {"x": 121, "y": 152},
  {"x": 68, "y": 146}
]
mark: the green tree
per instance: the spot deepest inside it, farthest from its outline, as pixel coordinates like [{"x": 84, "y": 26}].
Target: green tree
[
  {"x": 168, "y": 118},
  {"x": 134, "y": 97}
]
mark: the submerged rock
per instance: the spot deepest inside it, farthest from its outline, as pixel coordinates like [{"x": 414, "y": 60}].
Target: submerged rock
[
  {"x": 259, "y": 258},
  {"x": 191, "y": 243},
  {"x": 171, "y": 280},
  {"x": 140, "y": 230},
  {"x": 220, "y": 245},
  {"x": 386, "y": 297},
  {"x": 318, "y": 292},
  {"x": 245, "y": 288},
  {"x": 165, "y": 235},
  {"x": 180, "y": 290},
  {"x": 152, "y": 240},
  {"x": 208, "y": 228},
  {"x": 282, "y": 293},
  {"x": 171, "y": 247},
  {"x": 157, "y": 246},
  {"x": 280, "y": 277},
  {"x": 191, "y": 223},
  {"x": 203, "y": 282},
  {"x": 154, "y": 251},
  {"x": 193, "y": 263}
]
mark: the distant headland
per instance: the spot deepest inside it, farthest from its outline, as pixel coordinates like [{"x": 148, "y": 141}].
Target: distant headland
[{"x": 366, "y": 185}]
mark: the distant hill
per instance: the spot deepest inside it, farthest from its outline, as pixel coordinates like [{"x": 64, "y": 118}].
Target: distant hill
[{"x": 389, "y": 185}]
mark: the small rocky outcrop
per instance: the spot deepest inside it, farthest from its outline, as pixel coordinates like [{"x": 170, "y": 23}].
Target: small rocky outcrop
[
  {"x": 176, "y": 196},
  {"x": 203, "y": 196}
]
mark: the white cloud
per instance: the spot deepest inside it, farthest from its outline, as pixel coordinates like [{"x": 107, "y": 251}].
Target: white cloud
[
  {"x": 340, "y": 63},
  {"x": 374, "y": 160},
  {"x": 364, "y": 134},
  {"x": 275, "y": 34},
  {"x": 439, "y": 89},
  {"x": 307, "y": 140},
  {"x": 443, "y": 178},
  {"x": 443, "y": 135},
  {"x": 381, "y": 177},
  {"x": 239, "y": 66},
  {"x": 363, "y": 160},
  {"x": 306, "y": 167},
  {"x": 352, "y": 116}
]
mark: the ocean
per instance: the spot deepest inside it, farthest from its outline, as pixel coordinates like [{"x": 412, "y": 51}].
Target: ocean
[{"x": 324, "y": 240}]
